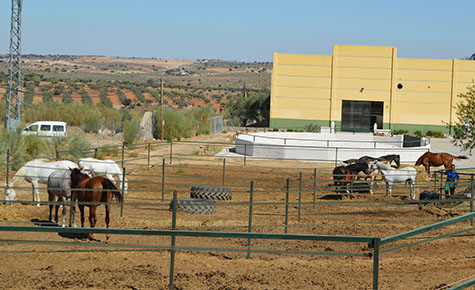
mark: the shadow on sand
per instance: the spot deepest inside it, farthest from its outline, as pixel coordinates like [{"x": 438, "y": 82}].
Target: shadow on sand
[{"x": 45, "y": 223}]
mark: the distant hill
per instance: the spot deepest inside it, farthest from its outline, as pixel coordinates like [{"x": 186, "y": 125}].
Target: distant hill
[{"x": 118, "y": 81}]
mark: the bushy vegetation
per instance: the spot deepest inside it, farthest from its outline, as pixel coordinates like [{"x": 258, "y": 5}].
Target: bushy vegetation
[
  {"x": 252, "y": 111},
  {"x": 183, "y": 123},
  {"x": 400, "y": 132},
  {"x": 464, "y": 136},
  {"x": 105, "y": 99},
  {"x": 26, "y": 148},
  {"x": 86, "y": 99},
  {"x": 123, "y": 98},
  {"x": 131, "y": 130},
  {"x": 435, "y": 134},
  {"x": 75, "y": 114}
]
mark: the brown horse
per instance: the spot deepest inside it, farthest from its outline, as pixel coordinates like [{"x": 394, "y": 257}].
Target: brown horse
[
  {"x": 429, "y": 159},
  {"x": 94, "y": 190},
  {"x": 345, "y": 175}
]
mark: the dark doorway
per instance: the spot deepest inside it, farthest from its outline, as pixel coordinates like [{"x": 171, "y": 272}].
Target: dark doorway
[{"x": 360, "y": 116}]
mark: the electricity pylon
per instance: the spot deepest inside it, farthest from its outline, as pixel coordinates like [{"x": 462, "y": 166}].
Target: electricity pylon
[{"x": 14, "y": 91}]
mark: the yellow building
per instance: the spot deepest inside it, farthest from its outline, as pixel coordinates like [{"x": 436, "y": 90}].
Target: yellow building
[{"x": 358, "y": 86}]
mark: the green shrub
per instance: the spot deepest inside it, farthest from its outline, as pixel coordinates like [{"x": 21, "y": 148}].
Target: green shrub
[
  {"x": 86, "y": 99},
  {"x": 92, "y": 123},
  {"x": 183, "y": 123},
  {"x": 418, "y": 133},
  {"x": 400, "y": 131},
  {"x": 435, "y": 134},
  {"x": 131, "y": 130}
]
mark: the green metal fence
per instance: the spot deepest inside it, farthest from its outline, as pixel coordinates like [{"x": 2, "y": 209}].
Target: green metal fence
[{"x": 304, "y": 184}]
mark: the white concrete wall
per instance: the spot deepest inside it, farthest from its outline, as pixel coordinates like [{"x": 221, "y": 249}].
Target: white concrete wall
[{"x": 324, "y": 147}]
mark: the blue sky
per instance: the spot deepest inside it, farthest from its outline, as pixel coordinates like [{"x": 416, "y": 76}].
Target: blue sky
[{"x": 240, "y": 30}]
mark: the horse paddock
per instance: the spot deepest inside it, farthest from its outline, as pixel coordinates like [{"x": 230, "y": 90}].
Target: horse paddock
[{"x": 70, "y": 262}]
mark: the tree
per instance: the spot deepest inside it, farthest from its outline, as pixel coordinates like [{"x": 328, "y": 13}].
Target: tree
[{"x": 464, "y": 126}]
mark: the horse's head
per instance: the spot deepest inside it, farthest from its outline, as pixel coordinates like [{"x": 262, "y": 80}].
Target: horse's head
[
  {"x": 397, "y": 159},
  {"x": 76, "y": 176},
  {"x": 10, "y": 195}
]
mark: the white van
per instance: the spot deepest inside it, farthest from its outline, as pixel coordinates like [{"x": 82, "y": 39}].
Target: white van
[{"x": 46, "y": 128}]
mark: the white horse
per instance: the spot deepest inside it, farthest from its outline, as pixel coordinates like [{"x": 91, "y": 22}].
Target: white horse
[
  {"x": 391, "y": 175},
  {"x": 108, "y": 168},
  {"x": 59, "y": 184},
  {"x": 35, "y": 171}
]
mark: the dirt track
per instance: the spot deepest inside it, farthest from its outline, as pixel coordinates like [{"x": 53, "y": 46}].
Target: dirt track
[{"x": 425, "y": 266}]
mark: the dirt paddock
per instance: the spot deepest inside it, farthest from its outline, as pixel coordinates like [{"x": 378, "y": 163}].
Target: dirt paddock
[{"x": 74, "y": 263}]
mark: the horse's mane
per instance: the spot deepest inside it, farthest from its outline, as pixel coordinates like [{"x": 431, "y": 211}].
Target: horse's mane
[{"x": 357, "y": 167}]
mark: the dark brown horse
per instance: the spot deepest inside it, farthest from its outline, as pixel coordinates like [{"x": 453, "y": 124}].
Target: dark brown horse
[
  {"x": 346, "y": 175},
  {"x": 94, "y": 190},
  {"x": 429, "y": 159}
]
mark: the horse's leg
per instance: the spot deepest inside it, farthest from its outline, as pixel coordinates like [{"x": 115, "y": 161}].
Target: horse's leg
[
  {"x": 427, "y": 167},
  {"x": 81, "y": 209},
  {"x": 413, "y": 189},
  {"x": 73, "y": 209},
  {"x": 51, "y": 200},
  {"x": 92, "y": 219},
  {"x": 36, "y": 192},
  {"x": 388, "y": 188},
  {"x": 63, "y": 200},
  {"x": 56, "y": 208}
]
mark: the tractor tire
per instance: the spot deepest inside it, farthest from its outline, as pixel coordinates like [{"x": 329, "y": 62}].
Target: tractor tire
[
  {"x": 361, "y": 186},
  {"x": 195, "y": 205},
  {"x": 216, "y": 193}
]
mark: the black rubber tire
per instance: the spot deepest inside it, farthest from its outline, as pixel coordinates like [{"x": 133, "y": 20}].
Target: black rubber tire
[
  {"x": 361, "y": 186},
  {"x": 195, "y": 205},
  {"x": 216, "y": 193}
]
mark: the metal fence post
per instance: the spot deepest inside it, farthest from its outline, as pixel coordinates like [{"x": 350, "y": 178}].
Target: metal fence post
[
  {"x": 95, "y": 152},
  {"x": 336, "y": 156},
  {"x": 249, "y": 228},
  {"x": 8, "y": 173},
  {"x": 72, "y": 206},
  {"x": 471, "y": 197},
  {"x": 123, "y": 191},
  {"x": 224, "y": 170},
  {"x": 148, "y": 156},
  {"x": 173, "y": 237},
  {"x": 314, "y": 186},
  {"x": 163, "y": 179},
  {"x": 171, "y": 151},
  {"x": 245, "y": 153},
  {"x": 287, "y": 206},
  {"x": 123, "y": 154},
  {"x": 57, "y": 155},
  {"x": 300, "y": 194},
  {"x": 376, "y": 243},
  {"x": 435, "y": 181}
]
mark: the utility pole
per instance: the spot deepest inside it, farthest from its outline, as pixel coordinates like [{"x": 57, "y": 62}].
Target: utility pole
[
  {"x": 161, "y": 109},
  {"x": 14, "y": 91}
]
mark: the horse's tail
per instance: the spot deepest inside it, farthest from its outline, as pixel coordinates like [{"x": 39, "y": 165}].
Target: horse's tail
[
  {"x": 460, "y": 157},
  {"x": 109, "y": 186},
  {"x": 421, "y": 159}
]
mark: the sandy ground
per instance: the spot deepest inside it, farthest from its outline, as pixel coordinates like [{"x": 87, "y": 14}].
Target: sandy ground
[{"x": 74, "y": 263}]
